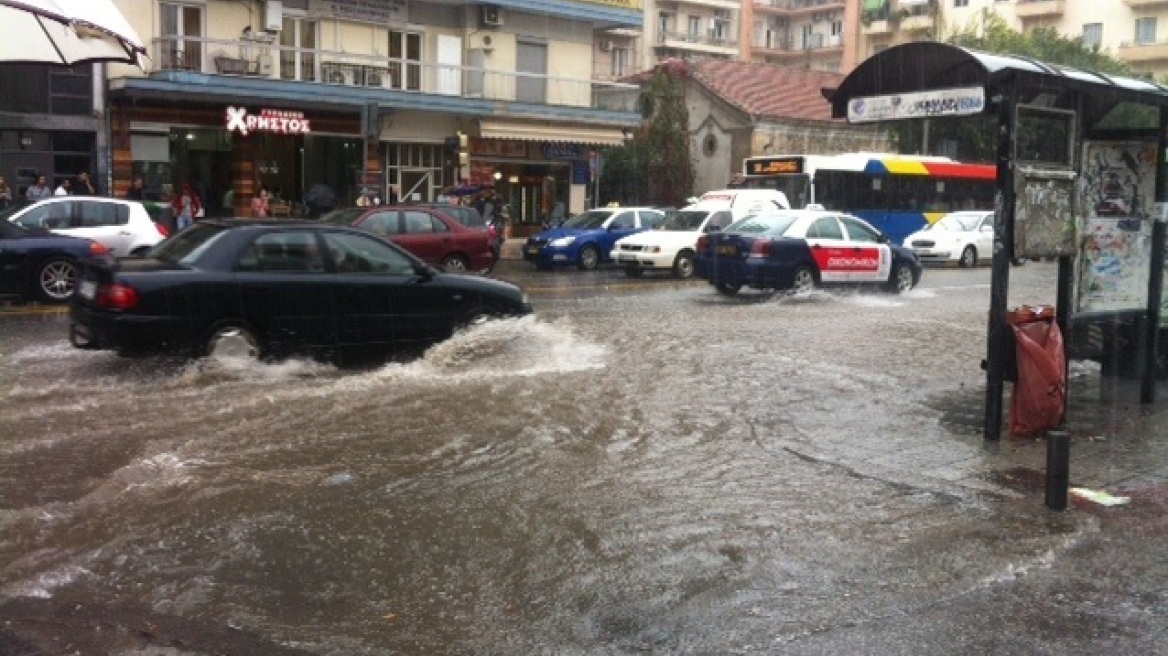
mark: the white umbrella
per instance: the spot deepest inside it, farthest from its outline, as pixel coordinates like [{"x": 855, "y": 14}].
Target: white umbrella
[{"x": 66, "y": 32}]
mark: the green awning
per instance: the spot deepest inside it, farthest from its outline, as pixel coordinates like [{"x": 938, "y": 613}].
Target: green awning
[{"x": 874, "y": 5}]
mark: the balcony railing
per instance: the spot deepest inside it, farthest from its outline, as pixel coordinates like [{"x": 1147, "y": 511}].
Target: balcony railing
[
  {"x": 315, "y": 66},
  {"x": 1136, "y": 53},
  {"x": 705, "y": 39},
  {"x": 1143, "y": 4},
  {"x": 799, "y": 46},
  {"x": 1040, "y": 8},
  {"x": 796, "y": 5}
]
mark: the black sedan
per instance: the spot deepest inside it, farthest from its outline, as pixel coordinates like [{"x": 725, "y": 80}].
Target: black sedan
[
  {"x": 271, "y": 288},
  {"x": 38, "y": 265}
]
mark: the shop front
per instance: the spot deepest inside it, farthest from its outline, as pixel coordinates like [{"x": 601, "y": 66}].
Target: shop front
[
  {"x": 228, "y": 152},
  {"x": 533, "y": 178}
]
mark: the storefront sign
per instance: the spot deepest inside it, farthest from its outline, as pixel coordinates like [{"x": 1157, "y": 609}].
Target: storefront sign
[
  {"x": 561, "y": 151},
  {"x": 498, "y": 148},
  {"x": 268, "y": 120},
  {"x": 360, "y": 11},
  {"x": 942, "y": 102}
]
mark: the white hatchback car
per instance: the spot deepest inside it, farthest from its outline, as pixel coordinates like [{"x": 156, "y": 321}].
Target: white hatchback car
[
  {"x": 671, "y": 245},
  {"x": 961, "y": 238},
  {"x": 123, "y": 226}
]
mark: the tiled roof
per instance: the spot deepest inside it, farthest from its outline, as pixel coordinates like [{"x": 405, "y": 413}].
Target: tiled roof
[{"x": 768, "y": 90}]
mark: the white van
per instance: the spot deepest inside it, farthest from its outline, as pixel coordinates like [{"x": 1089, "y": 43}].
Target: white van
[{"x": 743, "y": 202}]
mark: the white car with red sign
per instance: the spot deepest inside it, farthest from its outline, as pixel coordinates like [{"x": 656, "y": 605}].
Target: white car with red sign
[{"x": 800, "y": 249}]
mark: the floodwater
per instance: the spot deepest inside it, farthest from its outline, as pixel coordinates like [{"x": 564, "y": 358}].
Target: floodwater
[{"x": 661, "y": 470}]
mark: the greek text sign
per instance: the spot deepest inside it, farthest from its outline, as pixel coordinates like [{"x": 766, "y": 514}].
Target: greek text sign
[
  {"x": 363, "y": 11},
  {"x": 268, "y": 120},
  {"x": 941, "y": 102}
]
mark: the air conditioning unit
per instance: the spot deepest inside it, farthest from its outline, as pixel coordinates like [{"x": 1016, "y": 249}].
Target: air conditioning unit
[
  {"x": 492, "y": 16},
  {"x": 340, "y": 75},
  {"x": 606, "y": 45}
]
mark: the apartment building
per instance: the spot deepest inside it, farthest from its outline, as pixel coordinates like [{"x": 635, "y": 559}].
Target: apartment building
[
  {"x": 372, "y": 95},
  {"x": 811, "y": 34},
  {"x": 691, "y": 29}
]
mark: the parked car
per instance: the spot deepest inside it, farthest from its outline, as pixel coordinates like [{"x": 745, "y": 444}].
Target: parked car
[
  {"x": 122, "y": 226},
  {"x": 269, "y": 288},
  {"x": 471, "y": 218},
  {"x": 586, "y": 240},
  {"x": 743, "y": 202},
  {"x": 799, "y": 249},
  {"x": 429, "y": 234},
  {"x": 961, "y": 238},
  {"x": 37, "y": 265},
  {"x": 671, "y": 245}
]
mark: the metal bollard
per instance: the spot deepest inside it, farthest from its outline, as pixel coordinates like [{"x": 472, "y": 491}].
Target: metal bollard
[{"x": 1058, "y": 466}]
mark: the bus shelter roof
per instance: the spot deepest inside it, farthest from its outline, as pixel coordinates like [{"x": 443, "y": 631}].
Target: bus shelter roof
[{"x": 928, "y": 66}]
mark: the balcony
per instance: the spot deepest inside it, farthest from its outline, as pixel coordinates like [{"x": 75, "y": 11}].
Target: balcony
[
  {"x": 1142, "y": 53},
  {"x": 1144, "y": 4},
  {"x": 813, "y": 45},
  {"x": 383, "y": 74},
  {"x": 1031, "y": 9},
  {"x": 797, "y": 7},
  {"x": 876, "y": 27},
  {"x": 917, "y": 23},
  {"x": 690, "y": 41}
]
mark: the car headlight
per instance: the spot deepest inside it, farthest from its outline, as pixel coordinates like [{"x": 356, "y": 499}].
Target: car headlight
[{"x": 561, "y": 242}]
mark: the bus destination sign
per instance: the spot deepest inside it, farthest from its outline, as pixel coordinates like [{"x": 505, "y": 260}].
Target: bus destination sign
[{"x": 774, "y": 166}]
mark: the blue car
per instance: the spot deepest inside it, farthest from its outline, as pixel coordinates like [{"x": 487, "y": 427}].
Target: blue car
[{"x": 586, "y": 240}]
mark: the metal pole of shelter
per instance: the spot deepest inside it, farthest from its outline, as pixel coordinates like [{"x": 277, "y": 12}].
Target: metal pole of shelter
[
  {"x": 1156, "y": 273},
  {"x": 996, "y": 342}
]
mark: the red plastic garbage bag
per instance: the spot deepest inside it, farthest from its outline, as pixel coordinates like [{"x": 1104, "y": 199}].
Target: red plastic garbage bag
[{"x": 1040, "y": 394}]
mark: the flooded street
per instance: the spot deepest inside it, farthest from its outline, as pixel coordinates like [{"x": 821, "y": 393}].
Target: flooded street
[{"x": 636, "y": 468}]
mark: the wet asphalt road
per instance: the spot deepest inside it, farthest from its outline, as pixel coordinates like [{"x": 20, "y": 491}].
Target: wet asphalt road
[{"x": 641, "y": 467}]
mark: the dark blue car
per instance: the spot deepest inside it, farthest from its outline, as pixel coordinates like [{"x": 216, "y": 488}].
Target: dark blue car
[
  {"x": 586, "y": 240},
  {"x": 38, "y": 265}
]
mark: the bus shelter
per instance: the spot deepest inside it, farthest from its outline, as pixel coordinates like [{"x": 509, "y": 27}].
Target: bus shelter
[{"x": 1081, "y": 177}]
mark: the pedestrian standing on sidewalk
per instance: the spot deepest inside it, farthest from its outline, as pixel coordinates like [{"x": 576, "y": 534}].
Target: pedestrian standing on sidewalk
[
  {"x": 5, "y": 193},
  {"x": 187, "y": 207},
  {"x": 65, "y": 188},
  {"x": 84, "y": 186},
  {"x": 259, "y": 204},
  {"x": 40, "y": 190}
]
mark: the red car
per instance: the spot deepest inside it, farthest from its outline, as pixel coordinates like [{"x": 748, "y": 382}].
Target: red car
[{"x": 429, "y": 234}]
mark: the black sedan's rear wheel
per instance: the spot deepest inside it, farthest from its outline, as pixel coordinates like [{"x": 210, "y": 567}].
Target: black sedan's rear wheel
[
  {"x": 232, "y": 340},
  {"x": 56, "y": 279}
]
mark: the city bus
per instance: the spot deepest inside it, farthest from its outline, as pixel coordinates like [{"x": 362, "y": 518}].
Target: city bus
[{"x": 898, "y": 194}]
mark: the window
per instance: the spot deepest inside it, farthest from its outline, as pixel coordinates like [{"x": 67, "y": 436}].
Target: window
[
  {"x": 405, "y": 55},
  {"x": 858, "y": 231},
  {"x": 283, "y": 252},
  {"x": 1146, "y": 30},
  {"x": 623, "y": 220},
  {"x": 960, "y": 3},
  {"x": 665, "y": 22},
  {"x": 297, "y": 46},
  {"x": 825, "y": 228},
  {"x": 620, "y": 62},
  {"x": 421, "y": 223},
  {"x": 96, "y": 214},
  {"x": 358, "y": 253},
  {"x": 695, "y": 26},
  {"x": 382, "y": 223},
  {"x": 1093, "y": 35},
  {"x": 180, "y": 21},
  {"x": 652, "y": 219}
]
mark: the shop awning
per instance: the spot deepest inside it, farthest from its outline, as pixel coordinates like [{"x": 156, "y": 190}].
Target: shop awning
[{"x": 536, "y": 130}]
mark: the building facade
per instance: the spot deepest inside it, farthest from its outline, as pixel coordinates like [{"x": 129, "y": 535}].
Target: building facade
[{"x": 244, "y": 94}]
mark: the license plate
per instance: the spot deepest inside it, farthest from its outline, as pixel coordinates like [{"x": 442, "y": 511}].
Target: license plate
[
  {"x": 87, "y": 289},
  {"x": 626, "y": 258},
  {"x": 727, "y": 249}
]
